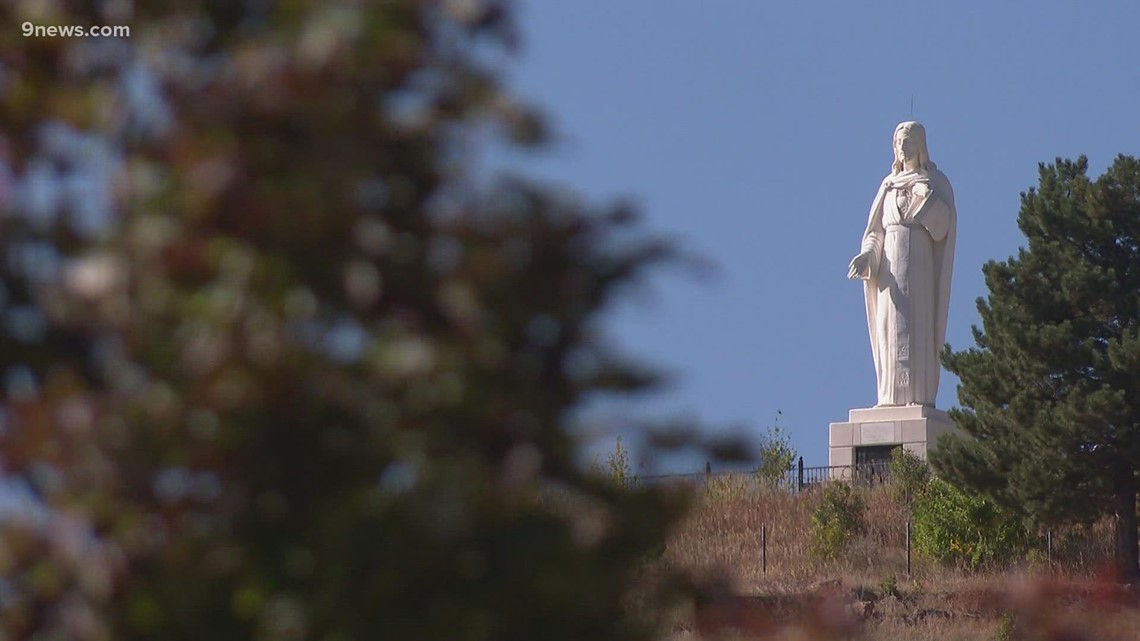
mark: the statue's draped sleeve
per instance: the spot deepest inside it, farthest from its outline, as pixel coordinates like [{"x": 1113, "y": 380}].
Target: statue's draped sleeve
[
  {"x": 943, "y": 252},
  {"x": 935, "y": 214}
]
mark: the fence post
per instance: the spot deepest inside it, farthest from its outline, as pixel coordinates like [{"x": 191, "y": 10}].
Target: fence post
[
  {"x": 908, "y": 547},
  {"x": 1049, "y": 548},
  {"x": 764, "y": 548},
  {"x": 800, "y": 476},
  {"x": 708, "y": 471}
]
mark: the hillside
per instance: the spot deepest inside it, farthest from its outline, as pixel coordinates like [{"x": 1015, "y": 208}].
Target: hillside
[{"x": 866, "y": 593}]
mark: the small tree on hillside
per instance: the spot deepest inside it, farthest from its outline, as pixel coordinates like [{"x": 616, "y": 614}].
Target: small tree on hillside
[
  {"x": 1049, "y": 394},
  {"x": 618, "y": 463},
  {"x": 776, "y": 456},
  {"x": 908, "y": 475}
]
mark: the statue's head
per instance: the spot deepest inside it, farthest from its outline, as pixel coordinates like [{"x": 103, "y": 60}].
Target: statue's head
[{"x": 910, "y": 143}]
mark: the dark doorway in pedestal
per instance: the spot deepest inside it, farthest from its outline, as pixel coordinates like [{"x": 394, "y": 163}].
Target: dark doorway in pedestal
[
  {"x": 874, "y": 454},
  {"x": 873, "y": 462}
]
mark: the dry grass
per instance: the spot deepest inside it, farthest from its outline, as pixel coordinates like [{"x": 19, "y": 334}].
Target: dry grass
[
  {"x": 724, "y": 532},
  {"x": 1029, "y": 600}
]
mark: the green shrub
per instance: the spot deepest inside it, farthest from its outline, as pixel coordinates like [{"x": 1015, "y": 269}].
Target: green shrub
[
  {"x": 889, "y": 586},
  {"x": 837, "y": 518},
  {"x": 1006, "y": 629},
  {"x": 967, "y": 530},
  {"x": 909, "y": 474}
]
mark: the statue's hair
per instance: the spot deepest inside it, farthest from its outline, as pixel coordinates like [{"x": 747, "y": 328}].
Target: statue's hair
[{"x": 916, "y": 129}]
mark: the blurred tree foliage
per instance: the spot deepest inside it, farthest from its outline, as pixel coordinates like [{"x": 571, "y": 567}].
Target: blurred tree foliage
[{"x": 278, "y": 365}]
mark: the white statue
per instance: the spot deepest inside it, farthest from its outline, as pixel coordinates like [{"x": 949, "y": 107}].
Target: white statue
[{"x": 906, "y": 262}]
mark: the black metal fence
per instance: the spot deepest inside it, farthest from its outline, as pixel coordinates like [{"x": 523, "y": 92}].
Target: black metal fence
[
  {"x": 795, "y": 479},
  {"x": 874, "y": 473}
]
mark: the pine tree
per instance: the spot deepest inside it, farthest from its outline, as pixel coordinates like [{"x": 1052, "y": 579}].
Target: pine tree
[
  {"x": 1051, "y": 393},
  {"x": 308, "y": 377}
]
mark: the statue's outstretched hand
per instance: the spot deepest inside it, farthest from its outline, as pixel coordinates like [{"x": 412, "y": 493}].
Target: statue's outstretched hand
[{"x": 860, "y": 266}]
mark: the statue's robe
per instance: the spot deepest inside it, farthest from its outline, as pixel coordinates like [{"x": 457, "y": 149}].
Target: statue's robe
[{"x": 908, "y": 291}]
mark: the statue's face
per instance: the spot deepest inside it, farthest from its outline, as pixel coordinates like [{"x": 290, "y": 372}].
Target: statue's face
[{"x": 906, "y": 148}]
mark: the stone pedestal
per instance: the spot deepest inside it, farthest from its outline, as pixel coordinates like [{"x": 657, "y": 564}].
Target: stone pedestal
[{"x": 915, "y": 427}]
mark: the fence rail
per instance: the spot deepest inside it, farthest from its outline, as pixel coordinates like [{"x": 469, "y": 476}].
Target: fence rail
[{"x": 796, "y": 478}]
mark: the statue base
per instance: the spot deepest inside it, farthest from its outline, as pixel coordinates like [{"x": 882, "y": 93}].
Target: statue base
[{"x": 870, "y": 434}]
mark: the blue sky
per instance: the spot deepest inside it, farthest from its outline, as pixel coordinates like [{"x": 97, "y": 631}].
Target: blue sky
[{"x": 756, "y": 134}]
